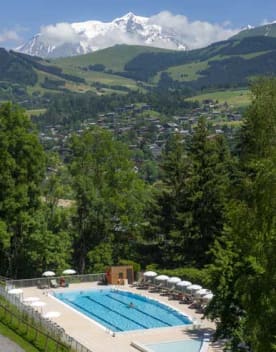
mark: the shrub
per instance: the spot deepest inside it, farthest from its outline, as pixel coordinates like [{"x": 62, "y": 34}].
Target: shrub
[{"x": 136, "y": 266}]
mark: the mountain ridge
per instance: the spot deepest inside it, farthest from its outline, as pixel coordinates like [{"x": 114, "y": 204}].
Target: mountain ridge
[
  {"x": 227, "y": 64},
  {"x": 267, "y": 30},
  {"x": 92, "y": 35}
]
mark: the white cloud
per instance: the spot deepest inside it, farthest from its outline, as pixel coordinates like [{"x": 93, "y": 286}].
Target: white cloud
[
  {"x": 266, "y": 21},
  {"x": 196, "y": 34},
  {"x": 116, "y": 37},
  {"x": 59, "y": 33},
  {"x": 8, "y": 35}
]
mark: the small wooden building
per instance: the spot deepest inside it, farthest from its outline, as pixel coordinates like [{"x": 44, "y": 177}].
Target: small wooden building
[{"x": 120, "y": 275}]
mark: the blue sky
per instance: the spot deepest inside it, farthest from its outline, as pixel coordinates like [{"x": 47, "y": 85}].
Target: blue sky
[{"x": 19, "y": 19}]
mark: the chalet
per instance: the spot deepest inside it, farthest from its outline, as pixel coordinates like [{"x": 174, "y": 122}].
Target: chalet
[
  {"x": 110, "y": 114},
  {"x": 155, "y": 150},
  {"x": 129, "y": 107},
  {"x": 146, "y": 107}
]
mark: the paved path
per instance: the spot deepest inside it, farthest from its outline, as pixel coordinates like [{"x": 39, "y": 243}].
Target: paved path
[{"x": 7, "y": 345}]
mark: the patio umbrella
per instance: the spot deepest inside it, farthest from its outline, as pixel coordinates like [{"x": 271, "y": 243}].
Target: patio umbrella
[
  {"x": 50, "y": 315},
  {"x": 30, "y": 299},
  {"x": 48, "y": 273},
  {"x": 15, "y": 291},
  {"x": 183, "y": 283},
  {"x": 202, "y": 292},
  {"x": 69, "y": 272},
  {"x": 208, "y": 297},
  {"x": 38, "y": 304},
  {"x": 161, "y": 278},
  {"x": 174, "y": 280},
  {"x": 194, "y": 288},
  {"x": 150, "y": 274}
]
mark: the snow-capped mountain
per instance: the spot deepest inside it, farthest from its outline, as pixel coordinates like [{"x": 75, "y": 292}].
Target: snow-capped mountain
[{"x": 64, "y": 39}]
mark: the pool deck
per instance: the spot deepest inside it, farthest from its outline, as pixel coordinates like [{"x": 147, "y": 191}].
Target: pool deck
[{"x": 99, "y": 339}]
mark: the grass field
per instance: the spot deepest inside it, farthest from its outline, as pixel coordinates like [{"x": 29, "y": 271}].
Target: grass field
[
  {"x": 25, "y": 332},
  {"x": 35, "y": 112},
  {"x": 188, "y": 72},
  {"x": 236, "y": 98},
  {"x": 113, "y": 58},
  {"x": 10, "y": 334},
  {"x": 90, "y": 78},
  {"x": 102, "y": 77}
]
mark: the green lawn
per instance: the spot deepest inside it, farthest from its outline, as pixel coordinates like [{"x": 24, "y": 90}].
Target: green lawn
[
  {"x": 236, "y": 98},
  {"x": 113, "y": 58},
  {"x": 102, "y": 77},
  {"x": 187, "y": 72},
  {"x": 23, "y": 331},
  {"x": 35, "y": 112},
  {"x": 25, "y": 345}
]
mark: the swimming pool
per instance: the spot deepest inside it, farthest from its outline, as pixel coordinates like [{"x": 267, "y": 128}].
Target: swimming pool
[
  {"x": 195, "y": 345},
  {"x": 176, "y": 346},
  {"x": 122, "y": 311}
]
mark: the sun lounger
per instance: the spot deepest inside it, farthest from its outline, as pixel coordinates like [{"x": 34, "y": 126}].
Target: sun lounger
[
  {"x": 156, "y": 288},
  {"x": 137, "y": 283},
  {"x": 176, "y": 295},
  {"x": 42, "y": 285},
  {"x": 53, "y": 283},
  {"x": 144, "y": 285},
  {"x": 166, "y": 291},
  {"x": 187, "y": 298}
]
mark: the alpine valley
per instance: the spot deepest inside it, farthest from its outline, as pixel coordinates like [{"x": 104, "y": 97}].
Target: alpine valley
[{"x": 228, "y": 64}]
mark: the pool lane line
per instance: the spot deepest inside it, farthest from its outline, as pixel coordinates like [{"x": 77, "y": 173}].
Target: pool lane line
[
  {"x": 141, "y": 311},
  {"x": 93, "y": 314},
  {"x": 115, "y": 311}
]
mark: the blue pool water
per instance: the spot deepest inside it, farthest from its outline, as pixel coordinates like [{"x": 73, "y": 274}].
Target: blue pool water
[
  {"x": 176, "y": 346},
  {"x": 111, "y": 308}
]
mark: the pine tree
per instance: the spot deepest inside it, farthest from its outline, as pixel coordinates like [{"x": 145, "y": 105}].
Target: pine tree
[
  {"x": 243, "y": 274},
  {"x": 207, "y": 195},
  {"x": 191, "y": 196}
]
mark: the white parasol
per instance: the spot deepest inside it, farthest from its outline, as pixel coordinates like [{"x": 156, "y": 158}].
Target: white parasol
[
  {"x": 69, "y": 272},
  {"x": 174, "y": 280},
  {"x": 194, "y": 288},
  {"x": 150, "y": 274},
  {"x": 184, "y": 283},
  {"x": 202, "y": 292},
  {"x": 161, "y": 278},
  {"x": 208, "y": 297},
  {"x": 30, "y": 299},
  {"x": 48, "y": 273},
  {"x": 38, "y": 304},
  {"x": 15, "y": 291},
  {"x": 50, "y": 315}
]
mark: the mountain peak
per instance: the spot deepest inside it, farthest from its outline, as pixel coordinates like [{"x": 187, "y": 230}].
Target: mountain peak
[
  {"x": 129, "y": 15},
  {"x": 84, "y": 37}
]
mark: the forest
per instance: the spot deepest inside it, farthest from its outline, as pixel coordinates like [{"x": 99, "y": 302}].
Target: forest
[{"x": 210, "y": 216}]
